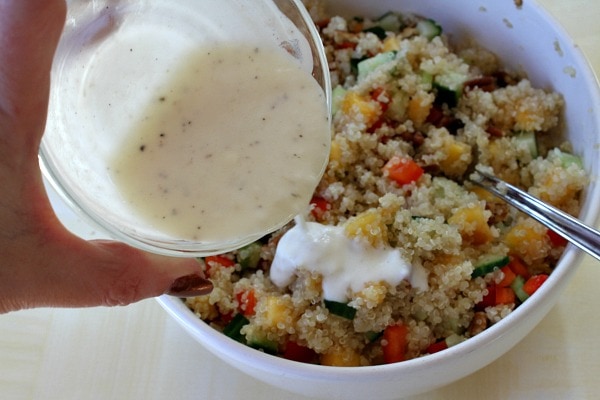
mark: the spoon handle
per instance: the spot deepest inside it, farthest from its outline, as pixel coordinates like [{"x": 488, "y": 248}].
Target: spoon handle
[{"x": 573, "y": 230}]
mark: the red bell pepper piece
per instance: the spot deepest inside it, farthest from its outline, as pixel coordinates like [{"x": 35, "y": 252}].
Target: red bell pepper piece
[
  {"x": 519, "y": 268},
  {"x": 489, "y": 300},
  {"x": 437, "y": 347},
  {"x": 509, "y": 276},
  {"x": 318, "y": 207},
  {"x": 218, "y": 261},
  {"x": 247, "y": 302},
  {"x": 403, "y": 170},
  {"x": 534, "y": 283},
  {"x": 556, "y": 239},
  {"x": 505, "y": 295},
  {"x": 395, "y": 338},
  {"x": 295, "y": 352}
]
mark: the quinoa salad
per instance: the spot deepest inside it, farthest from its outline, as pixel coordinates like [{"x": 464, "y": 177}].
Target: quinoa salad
[{"x": 399, "y": 255}]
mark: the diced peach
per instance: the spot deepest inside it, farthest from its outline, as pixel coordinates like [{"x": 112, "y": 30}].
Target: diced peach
[
  {"x": 278, "y": 311},
  {"x": 483, "y": 194},
  {"x": 355, "y": 103},
  {"x": 339, "y": 356},
  {"x": 335, "y": 152},
  {"x": 419, "y": 108},
  {"x": 390, "y": 44},
  {"x": 554, "y": 190},
  {"x": 458, "y": 158},
  {"x": 472, "y": 224},
  {"x": 369, "y": 225},
  {"x": 527, "y": 239}
]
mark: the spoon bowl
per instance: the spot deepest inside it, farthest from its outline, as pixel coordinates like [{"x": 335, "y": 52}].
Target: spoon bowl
[{"x": 570, "y": 228}]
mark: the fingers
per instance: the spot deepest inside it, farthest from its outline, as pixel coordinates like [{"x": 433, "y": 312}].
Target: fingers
[
  {"x": 66, "y": 271},
  {"x": 116, "y": 274},
  {"x": 41, "y": 264}
]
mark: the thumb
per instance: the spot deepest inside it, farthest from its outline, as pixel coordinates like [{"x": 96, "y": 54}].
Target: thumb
[{"x": 117, "y": 274}]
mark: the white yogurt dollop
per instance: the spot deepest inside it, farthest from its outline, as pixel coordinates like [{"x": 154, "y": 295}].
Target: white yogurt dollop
[{"x": 346, "y": 265}]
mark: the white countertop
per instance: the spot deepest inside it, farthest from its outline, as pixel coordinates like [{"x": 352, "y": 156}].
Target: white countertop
[{"x": 138, "y": 352}]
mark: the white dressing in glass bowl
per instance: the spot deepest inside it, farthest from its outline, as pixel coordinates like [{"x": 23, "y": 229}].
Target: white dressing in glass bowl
[{"x": 184, "y": 127}]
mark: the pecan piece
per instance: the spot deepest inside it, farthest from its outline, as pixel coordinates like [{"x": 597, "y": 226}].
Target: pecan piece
[
  {"x": 479, "y": 323},
  {"x": 485, "y": 83}
]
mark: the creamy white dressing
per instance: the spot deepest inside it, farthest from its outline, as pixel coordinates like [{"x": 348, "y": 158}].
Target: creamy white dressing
[
  {"x": 232, "y": 146},
  {"x": 346, "y": 265}
]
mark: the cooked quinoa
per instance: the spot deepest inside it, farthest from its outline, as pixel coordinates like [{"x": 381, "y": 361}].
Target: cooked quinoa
[{"x": 442, "y": 110}]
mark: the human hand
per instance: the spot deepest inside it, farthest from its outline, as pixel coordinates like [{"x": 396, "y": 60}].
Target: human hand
[{"x": 41, "y": 263}]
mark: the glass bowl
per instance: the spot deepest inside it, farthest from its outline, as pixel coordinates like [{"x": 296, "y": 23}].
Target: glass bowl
[{"x": 111, "y": 58}]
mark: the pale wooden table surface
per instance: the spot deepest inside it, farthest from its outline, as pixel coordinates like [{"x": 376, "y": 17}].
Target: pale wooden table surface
[{"x": 138, "y": 352}]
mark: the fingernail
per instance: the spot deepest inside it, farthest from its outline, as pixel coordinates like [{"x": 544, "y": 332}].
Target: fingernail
[{"x": 190, "y": 286}]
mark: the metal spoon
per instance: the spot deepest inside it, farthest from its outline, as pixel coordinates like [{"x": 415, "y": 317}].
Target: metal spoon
[{"x": 573, "y": 230}]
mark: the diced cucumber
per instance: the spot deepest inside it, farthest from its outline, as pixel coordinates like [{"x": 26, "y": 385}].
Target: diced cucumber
[
  {"x": 527, "y": 140},
  {"x": 452, "y": 324},
  {"x": 390, "y": 21},
  {"x": 264, "y": 344},
  {"x": 378, "y": 31},
  {"x": 568, "y": 159},
  {"x": 429, "y": 28},
  {"x": 426, "y": 78},
  {"x": 340, "y": 309},
  {"x": 337, "y": 95},
  {"x": 454, "y": 339},
  {"x": 233, "y": 329},
  {"x": 446, "y": 95},
  {"x": 449, "y": 88},
  {"x": 446, "y": 343},
  {"x": 354, "y": 64},
  {"x": 373, "y": 336},
  {"x": 367, "y": 66},
  {"x": 249, "y": 256},
  {"x": 488, "y": 264},
  {"x": 517, "y": 286}
]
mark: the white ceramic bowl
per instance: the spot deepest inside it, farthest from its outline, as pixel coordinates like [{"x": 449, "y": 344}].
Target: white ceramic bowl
[
  {"x": 526, "y": 38},
  {"x": 111, "y": 57}
]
